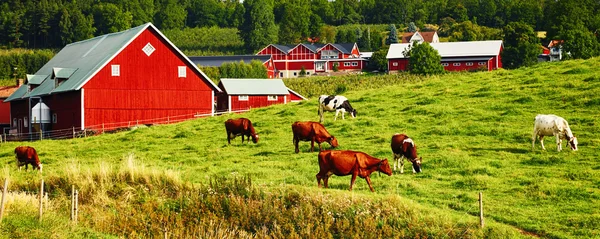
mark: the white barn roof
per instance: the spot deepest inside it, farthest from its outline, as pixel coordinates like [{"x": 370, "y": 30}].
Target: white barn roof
[
  {"x": 254, "y": 86},
  {"x": 453, "y": 49}
]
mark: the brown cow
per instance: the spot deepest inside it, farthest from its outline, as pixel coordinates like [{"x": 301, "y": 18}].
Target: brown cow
[
  {"x": 312, "y": 131},
  {"x": 241, "y": 126},
  {"x": 346, "y": 162},
  {"x": 404, "y": 147},
  {"x": 27, "y": 155}
]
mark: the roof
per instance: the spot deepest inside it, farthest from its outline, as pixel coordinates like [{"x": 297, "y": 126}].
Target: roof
[
  {"x": 283, "y": 48},
  {"x": 254, "y": 86},
  {"x": 554, "y": 43},
  {"x": 345, "y": 48},
  {"x": 453, "y": 49},
  {"x": 427, "y": 36},
  {"x": 368, "y": 54},
  {"x": 296, "y": 93},
  {"x": 82, "y": 60},
  {"x": 220, "y": 60},
  {"x": 6, "y": 91}
]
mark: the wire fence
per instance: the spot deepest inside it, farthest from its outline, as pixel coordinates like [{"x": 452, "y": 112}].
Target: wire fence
[{"x": 111, "y": 127}]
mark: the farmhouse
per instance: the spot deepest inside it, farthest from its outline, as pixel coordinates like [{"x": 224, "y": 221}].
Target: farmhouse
[
  {"x": 115, "y": 80},
  {"x": 410, "y": 37},
  {"x": 456, "y": 56},
  {"x": 217, "y": 61},
  {"x": 244, "y": 94},
  {"x": 313, "y": 58}
]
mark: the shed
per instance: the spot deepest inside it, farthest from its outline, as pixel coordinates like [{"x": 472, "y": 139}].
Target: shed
[{"x": 245, "y": 94}]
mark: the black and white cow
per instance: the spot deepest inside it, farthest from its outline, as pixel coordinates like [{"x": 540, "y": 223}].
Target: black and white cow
[{"x": 335, "y": 103}]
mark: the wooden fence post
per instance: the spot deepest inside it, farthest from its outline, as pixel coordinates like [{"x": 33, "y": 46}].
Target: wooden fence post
[
  {"x": 41, "y": 134},
  {"x": 41, "y": 198},
  {"x": 76, "y": 205},
  {"x": 72, "y": 202},
  {"x": 481, "y": 223},
  {"x": 73, "y": 131},
  {"x": 4, "y": 194},
  {"x": 103, "y": 128}
]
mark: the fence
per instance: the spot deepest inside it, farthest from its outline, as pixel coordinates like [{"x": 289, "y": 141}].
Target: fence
[{"x": 76, "y": 132}]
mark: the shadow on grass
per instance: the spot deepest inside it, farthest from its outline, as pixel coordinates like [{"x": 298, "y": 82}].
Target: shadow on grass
[{"x": 510, "y": 150}]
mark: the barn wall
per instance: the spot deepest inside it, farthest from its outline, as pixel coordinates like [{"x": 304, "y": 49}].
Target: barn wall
[
  {"x": 148, "y": 87},
  {"x": 19, "y": 109},
  {"x": 274, "y": 52},
  {"x": 254, "y": 101},
  {"x": 402, "y": 64},
  {"x": 270, "y": 68},
  {"x": 301, "y": 53},
  {"x": 67, "y": 107},
  {"x": 342, "y": 67},
  {"x": 294, "y": 97},
  {"x": 4, "y": 112}
]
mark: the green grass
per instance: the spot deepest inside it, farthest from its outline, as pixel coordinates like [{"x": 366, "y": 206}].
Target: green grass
[{"x": 473, "y": 131}]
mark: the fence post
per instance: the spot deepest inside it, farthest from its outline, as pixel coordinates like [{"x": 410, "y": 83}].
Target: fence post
[
  {"x": 73, "y": 131},
  {"x": 41, "y": 134},
  {"x": 41, "y": 198},
  {"x": 103, "y": 128},
  {"x": 4, "y": 192},
  {"x": 72, "y": 202},
  {"x": 168, "y": 119},
  {"x": 481, "y": 223},
  {"x": 76, "y": 204}
]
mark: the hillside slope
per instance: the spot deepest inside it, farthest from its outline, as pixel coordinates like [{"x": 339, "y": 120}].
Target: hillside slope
[{"x": 473, "y": 131}]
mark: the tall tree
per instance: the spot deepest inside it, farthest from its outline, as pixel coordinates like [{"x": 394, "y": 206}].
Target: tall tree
[
  {"x": 258, "y": 28},
  {"x": 109, "y": 18},
  {"x": 295, "y": 21},
  {"x": 364, "y": 42},
  {"x": 580, "y": 43},
  {"x": 412, "y": 27},
  {"x": 393, "y": 36},
  {"x": 171, "y": 15},
  {"x": 521, "y": 45}
]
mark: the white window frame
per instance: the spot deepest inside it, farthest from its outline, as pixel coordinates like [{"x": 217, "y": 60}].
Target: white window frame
[
  {"x": 182, "y": 71},
  {"x": 354, "y": 63},
  {"x": 281, "y": 74},
  {"x": 394, "y": 63},
  {"x": 347, "y": 64},
  {"x": 445, "y": 64},
  {"x": 54, "y": 118},
  {"x": 456, "y": 64},
  {"x": 25, "y": 122},
  {"x": 295, "y": 73},
  {"x": 469, "y": 63},
  {"x": 482, "y": 63},
  {"x": 148, "y": 49},
  {"x": 115, "y": 70},
  {"x": 272, "y": 98},
  {"x": 242, "y": 97}
]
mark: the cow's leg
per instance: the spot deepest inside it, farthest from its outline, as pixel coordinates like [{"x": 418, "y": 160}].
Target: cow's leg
[
  {"x": 368, "y": 178},
  {"x": 542, "y": 142},
  {"x": 533, "y": 138},
  {"x": 320, "y": 113},
  {"x": 320, "y": 148},
  {"x": 312, "y": 145},
  {"x": 319, "y": 179},
  {"x": 401, "y": 164},
  {"x": 354, "y": 174},
  {"x": 336, "y": 114},
  {"x": 343, "y": 112},
  {"x": 326, "y": 180},
  {"x": 228, "y": 137},
  {"x": 558, "y": 142},
  {"x": 296, "y": 141}
]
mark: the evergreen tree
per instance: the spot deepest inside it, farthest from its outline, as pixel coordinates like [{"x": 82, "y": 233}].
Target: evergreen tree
[
  {"x": 393, "y": 36},
  {"x": 376, "y": 41},
  {"x": 364, "y": 42},
  {"x": 424, "y": 60},
  {"x": 412, "y": 27},
  {"x": 379, "y": 61},
  {"x": 258, "y": 28},
  {"x": 66, "y": 28}
]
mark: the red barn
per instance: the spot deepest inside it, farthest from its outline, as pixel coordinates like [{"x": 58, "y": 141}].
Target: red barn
[
  {"x": 116, "y": 80},
  {"x": 245, "y": 94},
  {"x": 5, "y": 92},
  {"x": 314, "y": 58},
  {"x": 217, "y": 61},
  {"x": 456, "y": 56}
]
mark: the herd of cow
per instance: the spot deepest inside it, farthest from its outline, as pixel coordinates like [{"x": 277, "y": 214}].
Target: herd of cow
[{"x": 347, "y": 162}]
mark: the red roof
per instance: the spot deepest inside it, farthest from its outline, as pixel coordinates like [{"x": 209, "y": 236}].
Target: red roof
[
  {"x": 427, "y": 36},
  {"x": 554, "y": 43},
  {"x": 6, "y": 91}
]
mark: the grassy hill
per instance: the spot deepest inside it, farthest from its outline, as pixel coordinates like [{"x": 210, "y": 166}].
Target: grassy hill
[{"x": 473, "y": 131}]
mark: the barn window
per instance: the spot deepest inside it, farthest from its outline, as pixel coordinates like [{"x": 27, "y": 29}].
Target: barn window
[
  {"x": 481, "y": 63},
  {"x": 354, "y": 63},
  {"x": 469, "y": 63},
  {"x": 329, "y": 54},
  {"x": 272, "y": 98},
  {"x": 295, "y": 73},
  {"x": 148, "y": 49},
  {"x": 456, "y": 64},
  {"x": 346, "y": 63},
  {"x": 116, "y": 70},
  {"x": 181, "y": 71},
  {"x": 308, "y": 73},
  {"x": 395, "y": 64},
  {"x": 54, "y": 118},
  {"x": 15, "y": 122},
  {"x": 243, "y": 98},
  {"x": 444, "y": 64},
  {"x": 25, "y": 122},
  {"x": 281, "y": 74}
]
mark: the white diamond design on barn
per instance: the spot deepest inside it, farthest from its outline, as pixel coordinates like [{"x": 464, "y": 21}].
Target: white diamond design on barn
[{"x": 148, "y": 49}]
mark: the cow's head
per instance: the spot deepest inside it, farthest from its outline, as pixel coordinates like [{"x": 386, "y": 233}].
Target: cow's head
[
  {"x": 255, "y": 138},
  {"x": 416, "y": 164},
  {"x": 333, "y": 141},
  {"x": 353, "y": 113},
  {"x": 384, "y": 167},
  {"x": 573, "y": 143}
]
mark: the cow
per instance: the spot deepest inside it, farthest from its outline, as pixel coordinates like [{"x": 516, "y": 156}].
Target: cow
[
  {"x": 313, "y": 132},
  {"x": 346, "y": 162},
  {"x": 27, "y": 155},
  {"x": 335, "y": 103},
  {"x": 552, "y": 125},
  {"x": 241, "y": 126},
  {"x": 404, "y": 147}
]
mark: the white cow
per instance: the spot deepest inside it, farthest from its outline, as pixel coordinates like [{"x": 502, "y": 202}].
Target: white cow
[
  {"x": 552, "y": 125},
  {"x": 335, "y": 103}
]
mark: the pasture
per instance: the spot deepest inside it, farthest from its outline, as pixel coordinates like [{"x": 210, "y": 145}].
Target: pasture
[{"x": 473, "y": 131}]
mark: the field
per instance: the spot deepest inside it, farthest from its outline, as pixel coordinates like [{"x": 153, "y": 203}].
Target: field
[{"x": 473, "y": 131}]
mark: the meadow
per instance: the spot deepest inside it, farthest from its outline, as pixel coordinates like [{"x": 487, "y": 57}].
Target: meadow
[{"x": 473, "y": 131}]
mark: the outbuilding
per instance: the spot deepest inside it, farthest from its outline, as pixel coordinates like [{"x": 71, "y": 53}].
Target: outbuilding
[{"x": 245, "y": 94}]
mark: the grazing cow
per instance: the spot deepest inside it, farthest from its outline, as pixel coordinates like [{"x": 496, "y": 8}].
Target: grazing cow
[
  {"x": 346, "y": 162},
  {"x": 552, "y": 125},
  {"x": 241, "y": 126},
  {"x": 27, "y": 155},
  {"x": 404, "y": 147},
  {"x": 335, "y": 103},
  {"x": 313, "y": 132}
]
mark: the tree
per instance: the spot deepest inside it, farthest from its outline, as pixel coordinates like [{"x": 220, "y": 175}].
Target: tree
[
  {"x": 294, "y": 25},
  {"x": 109, "y": 18},
  {"x": 379, "y": 60},
  {"x": 258, "y": 28},
  {"x": 412, "y": 27},
  {"x": 171, "y": 15},
  {"x": 302, "y": 72},
  {"x": 580, "y": 43},
  {"x": 393, "y": 36},
  {"x": 424, "y": 60},
  {"x": 376, "y": 41},
  {"x": 364, "y": 42},
  {"x": 521, "y": 45}
]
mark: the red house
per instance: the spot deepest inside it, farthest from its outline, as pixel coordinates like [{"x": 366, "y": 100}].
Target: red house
[
  {"x": 313, "y": 58},
  {"x": 115, "y": 80},
  {"x": 245, "y": 94},
  {"x": 5, "y": 92},
  {"x": 217, "y": 61},
  {"x": 456, "y": 56}
]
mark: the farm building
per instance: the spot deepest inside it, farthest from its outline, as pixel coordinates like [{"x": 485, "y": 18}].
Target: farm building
[
  {"x": 456, "y": 56},
  {"x": 245, "y": 94},
  {"x": 217, "y": 61},
  {"x": 410, "y": 37},
  {"x": 115, "y": 80},
  {"x": 5, "y": 92},
  {"x": 313, "y": 58}
]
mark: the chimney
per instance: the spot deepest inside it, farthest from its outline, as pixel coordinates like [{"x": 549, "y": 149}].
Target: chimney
[{"x": 19, "y": 82}]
